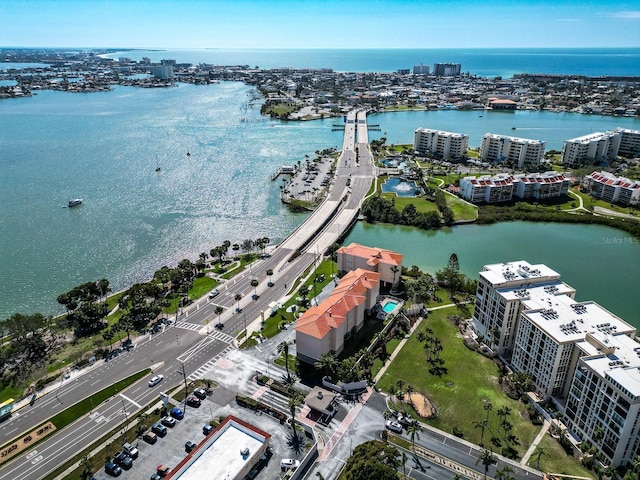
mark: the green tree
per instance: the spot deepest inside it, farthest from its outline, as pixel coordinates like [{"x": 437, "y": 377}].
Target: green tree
[
  {"x": 486, "y": 458},
  {"x": 414, "y": 433},
  {"x": 237, "y": 297},
  {"x": 327, "y": 362},
  {"x": 270, "y": 274},
  {"x": 283, "y": 348},
  {"x": 373, "y": 459},
  {"x": 219, "y": 311},
  {"x": 254, "y": 284}
]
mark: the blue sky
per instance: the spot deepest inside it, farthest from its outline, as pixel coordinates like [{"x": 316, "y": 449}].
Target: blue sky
[{"x": 319, "y": 23}]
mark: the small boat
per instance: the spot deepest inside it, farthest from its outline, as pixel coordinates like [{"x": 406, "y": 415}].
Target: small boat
[
  {"x": 75, "y": 202},
  {"x": 188, "y": 153},
  {"x": 513, "y": 128},
  {"x": 158, "y": 169}
]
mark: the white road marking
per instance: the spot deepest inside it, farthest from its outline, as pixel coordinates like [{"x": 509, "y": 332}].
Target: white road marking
[{"x": 131, "y": 401}]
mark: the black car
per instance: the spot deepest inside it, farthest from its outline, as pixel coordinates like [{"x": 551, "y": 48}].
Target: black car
[
  {"x": 200, "y": 393},
  {"x": 207, "y": 429},
  {"x": 159, "y": 429},
  {"x": 193, "y": 401},
  {"x": 123, "y": 460},
  {"x": 189, "y": 446},
  {"x": 150, "y": 437},
  {"x": 112, "y": 469}
]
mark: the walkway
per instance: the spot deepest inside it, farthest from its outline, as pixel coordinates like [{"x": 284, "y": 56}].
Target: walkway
[{"x": 534, "y": 444}]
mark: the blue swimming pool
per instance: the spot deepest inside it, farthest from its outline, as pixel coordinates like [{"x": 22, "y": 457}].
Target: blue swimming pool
[
  {"x": 401, "y": 187},
  {"x": 389, "y": 305}
]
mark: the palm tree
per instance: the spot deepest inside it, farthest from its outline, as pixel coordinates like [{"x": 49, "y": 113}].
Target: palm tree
[
  {"x": 503, "y": 473},
  {"x": 409, "y": 390},
  {"x": 218, "y": 311},
  {"x": 269, "y": 274},
  {"x": 482, "y": 426},
  {"x": 327, "y": 362},
  {"x": 237, "y": 297},
  {"x": 294, "y": 402},
  {"x": 254, "y": 284},
  {"x": 414, "y": 432},
  {"x": 395, "y": 270},
  {"x": 283, "y": 347},
  {"x": 486, "y": 458},
  {"x": 108, "y": 336},
  {"x": 540, "y": 451}
]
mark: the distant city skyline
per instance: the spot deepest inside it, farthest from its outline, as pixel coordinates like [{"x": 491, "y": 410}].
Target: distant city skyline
[{"x": 320, "y": 24}]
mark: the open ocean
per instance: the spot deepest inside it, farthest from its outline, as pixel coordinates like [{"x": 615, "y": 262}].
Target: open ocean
[
  {"x": 484, "y": 62},
  {"x": 104, "y": 147}
]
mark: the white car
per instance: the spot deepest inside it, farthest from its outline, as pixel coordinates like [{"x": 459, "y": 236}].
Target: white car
[
  {"x": 214, "y": 293},
  {"x": 393, "y": 426},
  {"x": 156, "y": 380},
  {"x": 289, "y": 463}
]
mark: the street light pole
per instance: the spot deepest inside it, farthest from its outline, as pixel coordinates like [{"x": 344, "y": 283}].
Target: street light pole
[{"x": 186, "y": 391}]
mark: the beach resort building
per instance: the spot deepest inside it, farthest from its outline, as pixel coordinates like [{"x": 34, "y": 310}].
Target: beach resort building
[
  {"x": 522, "y": 152},
  {"x": 384, "y": 262},
  {"x": 440, "y": 144},
  {"x": 613, "y": 189},
  {"x": 327, "y": 327},
  {"x": 592, "y": 148}
]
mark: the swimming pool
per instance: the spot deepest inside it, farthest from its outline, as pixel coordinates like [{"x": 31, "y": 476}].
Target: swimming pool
[
  {"x": 389, "y": 306},
  {"x": 401, "y": 187}
]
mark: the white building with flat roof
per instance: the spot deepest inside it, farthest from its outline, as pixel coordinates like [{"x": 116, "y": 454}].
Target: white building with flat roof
[
  {"x": 487, "y": 188},
  {"x": 629, "y": 142},
  {"x": 592, "y": 148},
  {"x": 613, "y": 189},
  {"x": 440, "y": 144},
  {"x": 540, "y": 186},
  {"x": 522, "y": 152},
  {"x": 503, "y": 187}
]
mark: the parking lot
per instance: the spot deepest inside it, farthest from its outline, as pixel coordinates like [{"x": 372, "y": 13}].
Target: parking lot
[{"x": 170, "y": 449}]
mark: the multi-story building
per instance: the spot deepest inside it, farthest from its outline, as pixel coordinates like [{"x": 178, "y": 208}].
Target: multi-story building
[
  {"x": 629, "y": 142},
  {"x": 603, "y": 402},
  {"x": 447, "y": 69},
  {"x": 163, "y": 72},
  {"x": 522, "y": 152},
  {"x": 421, "y": 69},
  {"x": 440, "y": 144},
  {"x": 613, "y": 189},
  {"x": 385, "y": 262},
  {"x": 541, "y": 185},
  {"x": 487, "y": 189},
  {"x": 326, "y": 327},
  {"x": 502, "y": 291},
  {"x": 589, "y": 149}
]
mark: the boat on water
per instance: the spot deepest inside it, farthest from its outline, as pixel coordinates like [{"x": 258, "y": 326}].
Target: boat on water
[
  {"x": 158, "y": 169},
  {"x": 75, "y": 202}
]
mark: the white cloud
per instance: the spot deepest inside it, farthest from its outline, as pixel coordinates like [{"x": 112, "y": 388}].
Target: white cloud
[{"x": 629, "y": 14}]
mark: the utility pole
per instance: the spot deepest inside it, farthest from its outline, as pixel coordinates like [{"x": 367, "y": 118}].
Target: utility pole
[{"x": 186, "y": 391}]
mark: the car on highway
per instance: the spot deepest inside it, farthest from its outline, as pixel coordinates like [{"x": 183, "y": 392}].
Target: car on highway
[
  {"x": 189, "y": 446},
  {"x": 200, "y": 393},
  {"x": 287, "y": 463},
  {"x": 193, "y": 401},
  {"x": 168, "y": 421},
  {"x": 159, "y": 429},
  {"x": 155, "y": 380},
  {"x": 149, "y": 437},
  {"x": 177, "y": 413},
  {"x": 393, "y": 426},
  {"x": 112, "y": 469},
  {"x": 214, "y": 293}
]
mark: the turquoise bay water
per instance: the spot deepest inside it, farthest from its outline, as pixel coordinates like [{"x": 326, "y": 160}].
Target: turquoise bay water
[
  {"x": 104, "y": 148},
  {"x": 599, "y": 262}
]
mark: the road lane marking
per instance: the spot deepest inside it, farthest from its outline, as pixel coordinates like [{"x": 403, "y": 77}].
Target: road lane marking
[{"x": 131, "y": 401}]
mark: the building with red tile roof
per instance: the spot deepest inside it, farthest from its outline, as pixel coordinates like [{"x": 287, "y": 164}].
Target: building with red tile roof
[
  {"x": 613, "y": 189},
  {"x": 326, "y": 327},
  {"x": 385, "y": 262}
]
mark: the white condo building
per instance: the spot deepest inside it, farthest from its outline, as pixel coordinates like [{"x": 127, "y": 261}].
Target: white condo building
[
  {"x": 503, "y": 187},
  {"x": 613, "y": 189},
  {"x": 629, "y": 142},
  {"x": 577, "y": 353},
  {"x": 589, "y": 149},
  {"x": 487, "y": 189},
  {"x": 523, "y": 152},
  {"x": 440, "y": 144}
]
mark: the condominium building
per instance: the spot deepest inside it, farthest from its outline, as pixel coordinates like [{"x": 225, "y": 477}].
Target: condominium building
[
  {"x": 522, "y": 152},
  {"x": 590, "y": 149},
  {"x": 541, "y": 186},
  {"x": 613, "y": 189},
  {"x": 487, "y": 189},
  {"x": 603, "y": 402},
  {"x": 421, "y": 69},
  {"x": 629, "y": 142},
  {"x": 502, "y": 291},
  {"x": 446, "y": 69},
  {"x": 440, "y": 144},
  {"x": 327, "y": 327},
  {"x": 385, "y": 262}
]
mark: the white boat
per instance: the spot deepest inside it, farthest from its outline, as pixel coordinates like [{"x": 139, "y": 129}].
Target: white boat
[{"x": 75, "y": 202}]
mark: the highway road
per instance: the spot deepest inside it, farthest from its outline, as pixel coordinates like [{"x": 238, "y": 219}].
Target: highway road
[{"x": 193, "y": 341}]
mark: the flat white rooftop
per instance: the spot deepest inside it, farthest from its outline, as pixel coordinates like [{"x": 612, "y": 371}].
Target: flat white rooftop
[
  {"x": 518, "y": 273},
  {"x": 220, "y": 455}
]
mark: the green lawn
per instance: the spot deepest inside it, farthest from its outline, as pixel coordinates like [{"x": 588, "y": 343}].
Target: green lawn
[
  {"x": 422, "y": 205},
  {"x": 555, "y": 460},
  {"x": 461, "y": 393},
  {"x": 462, "y": 211}
]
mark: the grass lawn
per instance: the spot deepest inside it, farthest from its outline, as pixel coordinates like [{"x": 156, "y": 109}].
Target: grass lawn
[
  {"x": 280, "y": 109},
  {"x": 555, "y": 460},
  {"x": 422, "y": 205},
  {"x": 461, "y": 210},
  {"x": 461, "y": 393}
]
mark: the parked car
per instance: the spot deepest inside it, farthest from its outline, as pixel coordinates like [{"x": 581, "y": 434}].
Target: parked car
[
  {"x": 193, "y": 401},
  {"x": 163, "y": 470},
  {"x": 149, "y": 437},
  {"x": 207, "y": 429},
  {"x": 112, "y": 469},
  {"x": 155, "y": 476},
  {"x": 177, "y": 413},
  {"x": 168, "y": 421},
  {"x": 123, "y": 460},
  {"x": 156, "y": 380},
  {"x": 130, "y": 450},
  {"x": 159, "y": 429},
  {"x": 287, "y": 463},
  {"x": 200, "y": 393},
  {"x": 189, "y": 446},
  {"x": 393, "y": 426}
]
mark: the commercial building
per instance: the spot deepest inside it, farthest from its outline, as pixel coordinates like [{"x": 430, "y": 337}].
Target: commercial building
[
  {"x": 613, "y": 189},
  {"x": 447, "y": 69},
  {"x": 327, "y": 327},
  {"x": 440, "y": 144},
  {"x": 522, "y": 152},
  {"x": 229, "y": 452},
  {"x": 501, "y": 104},
  {"x": 385, "y": 262},
  {"x": 589, "y": 149},
  {"x": 503, "y": 187},
  {"x": 577, "y": 353}
]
